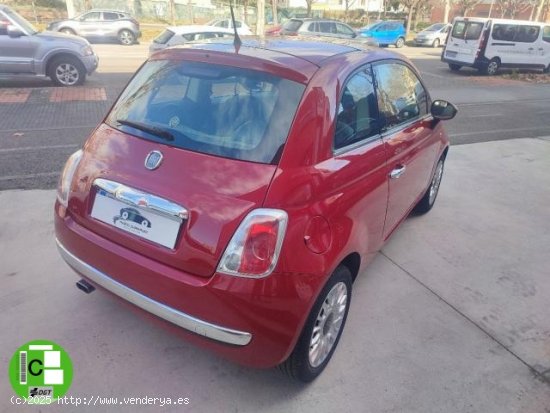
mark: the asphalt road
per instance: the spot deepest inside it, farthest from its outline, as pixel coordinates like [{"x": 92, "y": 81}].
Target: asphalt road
[{"x": 38, "y": 135}]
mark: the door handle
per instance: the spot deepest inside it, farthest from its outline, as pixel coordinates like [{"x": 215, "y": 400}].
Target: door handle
[{"x": 397, "y": 172}]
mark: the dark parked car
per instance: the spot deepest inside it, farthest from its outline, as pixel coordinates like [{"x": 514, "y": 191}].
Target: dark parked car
[
  {"x": 100, "y": 25},
  {"x": 278, "y": 172},
  {"x": 322, "y": 27},
  {"x": 66, "y": 60}
]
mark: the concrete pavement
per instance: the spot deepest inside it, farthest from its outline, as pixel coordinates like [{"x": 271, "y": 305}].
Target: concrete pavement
[{"x": 452, "y": 316}]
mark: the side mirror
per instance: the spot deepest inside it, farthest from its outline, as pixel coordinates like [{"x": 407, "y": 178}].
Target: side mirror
[
  {"x": 14, "y": 31},
  {"x": 443, "y": 110}
]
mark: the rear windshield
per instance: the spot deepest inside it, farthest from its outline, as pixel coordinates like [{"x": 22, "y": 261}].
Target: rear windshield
[
  {"x": 292, "y": 25},
  {"x": 467, "y": 30},
  {"x": 163, "y": 37},
  {"x": 435, "y": 27},
  {"x": 220, "y": 110}
]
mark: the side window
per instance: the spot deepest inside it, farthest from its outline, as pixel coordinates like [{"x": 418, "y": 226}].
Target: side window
[
  {"x": 546, "y": 34},
  {"x": 238, "y": 24},
  {"x": 401, "y": 96},
  {"x": 3, "y": 26},
  {"x": 504, "y": 32},
  {"x": 311, "y": 27},
  {"x": 357, "y": 117},
  {"x": 343, "y": 29},
  {"x": 91, "y": 17},
  {"x": 110, "y": 16},
  {"x": 204, "y": 36},
  {"x": 222, "y": 23},
  {"x": 527, "y": 34}
]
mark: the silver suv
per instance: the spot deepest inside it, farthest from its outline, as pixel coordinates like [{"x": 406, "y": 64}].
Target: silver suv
[
  {"x": 23, "y": 50},
  {"x": 101, "y": 24},
  {"x": 318, "y": 27}
]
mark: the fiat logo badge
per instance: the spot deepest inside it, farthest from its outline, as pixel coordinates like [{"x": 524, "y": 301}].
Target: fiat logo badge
[{"x": 153, "y": 160}]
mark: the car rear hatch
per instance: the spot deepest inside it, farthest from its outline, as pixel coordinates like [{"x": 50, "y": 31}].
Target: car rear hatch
[
  {"x": 464, "y": 40},
  {"x": 186, "y": 152}
]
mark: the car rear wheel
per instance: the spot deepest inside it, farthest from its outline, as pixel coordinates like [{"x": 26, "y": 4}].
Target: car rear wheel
[
  {"x": 126, "y": 37},
  {"x": 436, "y": 43},
  {"x": 124, "y": 215},
  {"x": 428, "y": 200},
  {"x": 67, "y": 71},
  {"x": 400, "y": 43},
  {"x": 492, "y": 67},
  {"x": 454, "y": 67},
  {"x": 322, "y": 330}
]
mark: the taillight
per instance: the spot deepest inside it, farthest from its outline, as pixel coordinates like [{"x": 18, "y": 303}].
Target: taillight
[
  {"x": 483, "y": 43},
  {"x": 254, "y": 249},
  {"x": 67, "y": 177}
]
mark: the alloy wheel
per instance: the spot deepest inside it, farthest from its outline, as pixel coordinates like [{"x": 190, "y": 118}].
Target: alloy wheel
[{"x": 67, "y": 74}]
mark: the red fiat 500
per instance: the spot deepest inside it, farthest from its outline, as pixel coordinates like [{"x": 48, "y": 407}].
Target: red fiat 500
[{"x": 238, "y": 194}]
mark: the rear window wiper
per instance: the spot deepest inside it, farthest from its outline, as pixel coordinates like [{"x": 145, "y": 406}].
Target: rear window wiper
[{"x": 153, "y": 130}]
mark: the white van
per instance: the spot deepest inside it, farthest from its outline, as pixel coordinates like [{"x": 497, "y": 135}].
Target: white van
[{"x": 488, "y": 44}]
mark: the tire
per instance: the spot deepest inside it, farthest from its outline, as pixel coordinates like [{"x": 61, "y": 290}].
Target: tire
[
  {"x": 66, "y": 71},
  {"x": 126, "y": 37},
  {"x": 124, "y": 215},
  {"x": 399, "y": 43},
  {"x": 145, "y": 223},
  {"x": 66, "y": 30},
  {"x": 454, "y": 67},
  {"x": 428, "y": 199},
  {"x": 436, "y": 43},
  {"x": 305, "y": 364},
  {"x": 491, "y": 68}
]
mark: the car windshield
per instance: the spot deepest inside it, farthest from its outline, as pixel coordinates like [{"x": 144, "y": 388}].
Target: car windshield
[
  {"x": 292, "y": 25},
  {"x": 21, "y": 22},
  {"x": 370, "y": 26},
  {"x": 220, "y": 110},
  {"x": 163, "y": 37},
  {"x": 435, "y": 27}
]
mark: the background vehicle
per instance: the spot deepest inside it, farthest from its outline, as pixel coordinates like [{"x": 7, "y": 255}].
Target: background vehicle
[
  {"x": 306, "y": 26},
  {"x": 242, "y": 27},
  {"x": 24, "y": 51},
  {"x": 434, "y": 36},
  {"x": 488, "y": 44},
  {"x": 101, "y": 24},
  {"x": 284, "y": 168},
  {"x": 182, "y": 34},
  {"x": 385, "y": 33}
]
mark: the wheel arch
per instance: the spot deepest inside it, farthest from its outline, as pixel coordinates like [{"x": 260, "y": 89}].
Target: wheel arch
[
  {"x": 55, "y": 55},
  {"x": 353, "y": 263}
]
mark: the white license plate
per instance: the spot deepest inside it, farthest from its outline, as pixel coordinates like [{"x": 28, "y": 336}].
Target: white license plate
[
  {"x": 450, "y": 54},
  {"x": 135, "y": 220}
]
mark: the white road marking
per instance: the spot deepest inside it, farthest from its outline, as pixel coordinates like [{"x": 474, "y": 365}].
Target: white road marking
[
  {"x": 37, "y": 148},
  {"x": 454, "y": 135},
  {"x": 489, "y": 115},
  {"x": 38, "y": 175}
]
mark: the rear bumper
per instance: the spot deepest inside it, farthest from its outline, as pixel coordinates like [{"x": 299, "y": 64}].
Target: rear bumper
[
  {"x": 255, "y": 322},
  {"x": 203, "y": 328},
  {"x": 478, "y": 63}
]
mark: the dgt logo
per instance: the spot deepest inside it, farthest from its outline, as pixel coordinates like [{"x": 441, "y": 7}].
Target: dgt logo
[{"x": 41, "y": 368}]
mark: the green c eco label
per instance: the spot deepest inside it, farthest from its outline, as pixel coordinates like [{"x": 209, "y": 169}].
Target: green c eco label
[{"x": 42, "y": 370}]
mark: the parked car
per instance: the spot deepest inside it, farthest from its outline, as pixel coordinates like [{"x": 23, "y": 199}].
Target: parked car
[
  {"x": 175, "y": 35},
  {"x": 271, "y": 178},
  {"x": 101, "y": 25},
  {"x": 488, "y": 44},
  {"x": 324, "y": 27},
  {"x": 385, "y": 33},
  {"x": 434, "y": 36},
  {"x": 242, "y": 27},
  {"x": 25, "y": 51}
]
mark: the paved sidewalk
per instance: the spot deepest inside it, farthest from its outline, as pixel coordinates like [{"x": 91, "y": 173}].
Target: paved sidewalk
[{"x": 452, "y": 316}]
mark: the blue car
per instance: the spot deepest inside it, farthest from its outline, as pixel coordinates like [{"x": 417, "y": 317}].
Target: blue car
[{"x": 385, "y": 33}]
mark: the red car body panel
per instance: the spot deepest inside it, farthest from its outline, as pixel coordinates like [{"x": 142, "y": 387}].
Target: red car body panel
[{"x": 341, "y": 206}]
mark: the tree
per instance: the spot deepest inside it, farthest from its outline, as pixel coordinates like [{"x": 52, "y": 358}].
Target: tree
[
  {"x": 348, "y": 4},
  {"x": 309, "y": 4},
  {"x": 510, "y": 8},
  {"x": 539, "y": 10},
  {"x": 274, "y": 12},
  {"x": 409, "y": 6},
  {"x": 466, "y": 6}
]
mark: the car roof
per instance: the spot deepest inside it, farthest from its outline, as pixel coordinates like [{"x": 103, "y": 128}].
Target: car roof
[
  {"x": 107, "y": 10},
  {"x": 299, "y": 57},
  {"x": 316, "y": 19},
  {"x": 198, "y": 29}
]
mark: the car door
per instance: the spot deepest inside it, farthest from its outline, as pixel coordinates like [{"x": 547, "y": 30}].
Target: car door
[
  {"x": 544, "y": 46},
  {"x": 89, "y": 24},
  {"x": 358, "y": 187},
  {"x": 381, "y": 34},
  {"x": 16, "y": 53},
  {"x": 110, "y": 24},
  {"x": 344, "y": 31},
  {"x": 410, "y": 146}
]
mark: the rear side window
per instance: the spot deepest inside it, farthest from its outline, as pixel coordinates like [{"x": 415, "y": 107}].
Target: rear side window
[
  {"x": 546, "y": 34},
  {"x": 327, "y": 27},
  {"x": 220, "y": 110},
  {"x": 163, "y": 37},
  {"x": 467, "y": 30},
  {"x": 401, "y": 96},
  {"x": 110, "y": 16},
  {"x": 515, "y": 33},
  {"x": 93, "y": 16}
]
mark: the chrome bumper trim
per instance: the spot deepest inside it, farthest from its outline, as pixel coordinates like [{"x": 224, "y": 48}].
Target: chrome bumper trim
[{"x": 203, "y": 328}]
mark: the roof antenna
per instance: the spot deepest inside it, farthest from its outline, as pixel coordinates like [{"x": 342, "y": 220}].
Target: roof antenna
[{"x": 237, "y": 40}]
